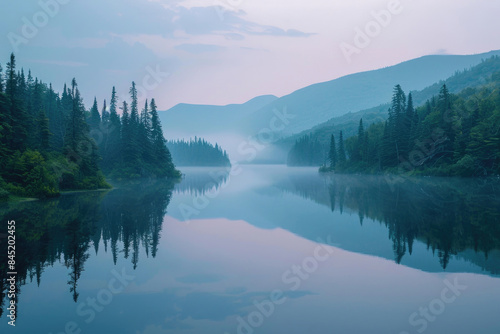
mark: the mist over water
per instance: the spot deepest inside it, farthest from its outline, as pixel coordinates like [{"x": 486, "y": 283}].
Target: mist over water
[{"x": 336, "y": 248}]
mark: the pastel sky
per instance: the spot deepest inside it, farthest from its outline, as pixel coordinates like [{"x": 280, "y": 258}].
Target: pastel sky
[{"x": 229, "y": 51}]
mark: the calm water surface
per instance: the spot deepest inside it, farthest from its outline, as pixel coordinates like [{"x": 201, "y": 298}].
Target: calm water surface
[{"x": 270, "y": 250}]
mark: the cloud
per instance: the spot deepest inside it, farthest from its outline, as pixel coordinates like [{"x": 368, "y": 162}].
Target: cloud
[
  {"x": 208, "y": 20},
  {"x": 234, "y": 37},
  {"x": 441, "y": 52},
  {"x": 199, "y": 48},
  {"x": 81, "y": 20}
]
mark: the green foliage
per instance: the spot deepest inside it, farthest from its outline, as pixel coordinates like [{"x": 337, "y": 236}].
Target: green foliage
[
  {"x": 332, "y": 153},
  {"x": 197, "y": 152},
  {"x": 4, "y": 194},
  {"x": 134, "y": 146},
  {"x": 342, "y": 158},
  {"x": 461, "y": 82},
  {"x": 50, "y": 142},
  {"x": 306, "y": 152},
  {"x": 450, "y": 135},
  {"x": 33, "y": 177},
  {"x": 45, "y": 144}
]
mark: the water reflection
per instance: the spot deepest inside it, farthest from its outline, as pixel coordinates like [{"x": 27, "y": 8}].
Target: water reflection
[
  {"x": 197, "y": 181},
  {"x": 451, "y": 216},
  {"x": 65, "y": 229},
  {"x": 209, "y": 274}
]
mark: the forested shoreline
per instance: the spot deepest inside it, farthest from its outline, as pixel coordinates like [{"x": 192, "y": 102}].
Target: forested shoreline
[
  {"x": 197, "y": 152},
  {"x": 450, "y": 135},
  {"x": 49, "y": 142}
]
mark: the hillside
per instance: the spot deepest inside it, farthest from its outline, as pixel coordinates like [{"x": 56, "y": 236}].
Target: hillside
[
  {"x": 186, "y": 120},
  {"x": 230, "y": 125},
  {"x": 318, "y": 103},
  {"x": 348, "y": 123}
]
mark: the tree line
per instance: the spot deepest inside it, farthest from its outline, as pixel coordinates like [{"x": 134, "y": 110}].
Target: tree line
[
  {"x": 451, "y": 134},
  {"x": 306, "y": 151},
  {"x": 197, "y": 152},
  {"x": 66, "y": 230},
  {"x": 50, "y": 142},
  {"x": 466, "y": 227}
]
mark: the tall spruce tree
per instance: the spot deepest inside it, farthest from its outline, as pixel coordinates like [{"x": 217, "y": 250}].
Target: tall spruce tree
[
  {"x": 1, "y": 79},
  {"x": 95, "y": 117},
  {"x": 332, "y": 154},
  {"x": 145, "y": 134},
  {"x": 342, "y": 155},
  {"x": 160, "y": 150},
  {"x": 16, "y": 118},
  {"x": 104, "y": 112}
]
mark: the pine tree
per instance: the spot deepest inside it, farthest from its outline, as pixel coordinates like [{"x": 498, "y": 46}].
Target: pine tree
[
  {"x": 341, "y": 154},
  {"x": 397, "y": 114},
  {"x": 131, "y": 130},
  {"x": 4, "y": 129},
  {"x": 444, "y": 100},
  {"x": 386, "y": 148},
  {"x": 360, "y": 149},
  {"x": 76, "y": 122},
  {"x": 104, "y": 113},
  {"x": 56, "y": 119},
  {"x": 79, "y": 148},
  {"x": 160, "y": 150},
  {"x": 126, "y": 137},
  {"x": 1, "y": 79},
  {"x": 95, "y": 117},
  {"x": 16, "y": 118},
  {"x": 134, "y": 107},
  {"x": 332, "y": 156},
  {"x": 444, "y": 106},
  {"x": 36, "y": 108},
  {"x": 112, "y": 150},
  {"x": 44, "y": 131},
  {"x": 407, "y": 126},
  {"x": 145, "y": 134}
]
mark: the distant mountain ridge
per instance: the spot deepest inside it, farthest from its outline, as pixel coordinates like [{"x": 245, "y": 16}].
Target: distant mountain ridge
[
  {"x": 198, "y": 119},
  {"x": 312, "y": 105},
  {"x": 348, "y": 123},
  {"x": 320, "y": 102}
]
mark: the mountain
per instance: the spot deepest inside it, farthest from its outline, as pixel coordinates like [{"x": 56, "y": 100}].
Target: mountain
[
  {"x": 231, "y": 125},
  {"x": 318, "y": 103},
  {"x": 189, "y": 120},
  {"x": 348, "y": 123}
]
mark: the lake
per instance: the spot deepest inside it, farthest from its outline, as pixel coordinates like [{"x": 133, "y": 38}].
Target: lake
[{"x": 261, "y": 249}]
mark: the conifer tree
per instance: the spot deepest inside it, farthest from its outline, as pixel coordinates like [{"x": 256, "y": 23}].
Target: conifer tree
[
  {"x": 341, "y": 154},
  {"x": 17, "y": 118},
  {"x": 112, "y": 149},
  {"x": 332, "y": 155},
  {"x": 44, "y": 131},
  {"x": 1, "y": 79},
  {"x": 145, "y": 134},
  {"x": 104, "y": 113},
  {"x": 95, "y": 117},
  {"x": 160, "y": 150}
]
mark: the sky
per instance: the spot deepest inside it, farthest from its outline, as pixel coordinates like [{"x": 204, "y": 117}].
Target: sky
[{"x": 229, "y": 51}]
